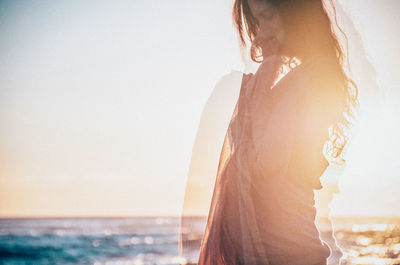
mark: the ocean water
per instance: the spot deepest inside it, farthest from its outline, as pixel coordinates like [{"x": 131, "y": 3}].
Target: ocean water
[
  {"x": 155, "y": 240},
  {"x": 89, "y": 241}
]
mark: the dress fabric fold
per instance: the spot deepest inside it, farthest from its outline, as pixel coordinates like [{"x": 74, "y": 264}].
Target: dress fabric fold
[{"x": 262, "y": 210}]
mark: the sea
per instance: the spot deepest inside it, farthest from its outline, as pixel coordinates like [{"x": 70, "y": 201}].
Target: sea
[{"x": 155, "y": 240}]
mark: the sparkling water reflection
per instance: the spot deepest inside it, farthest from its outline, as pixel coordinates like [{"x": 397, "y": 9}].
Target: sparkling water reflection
[{"x": 155, "y": 240}]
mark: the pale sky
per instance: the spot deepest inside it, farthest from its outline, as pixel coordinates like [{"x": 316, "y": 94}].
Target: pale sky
[{"x": 100, "y": 104}]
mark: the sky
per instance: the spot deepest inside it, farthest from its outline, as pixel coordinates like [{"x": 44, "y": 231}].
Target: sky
[{"x": 100, "y": 103}]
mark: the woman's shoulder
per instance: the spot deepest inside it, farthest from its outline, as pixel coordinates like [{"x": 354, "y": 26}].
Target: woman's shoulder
[
  {"x": 313, "y": 86},
  {"x": 311, "y": 69},
  {"x": 313, "y": 77},
  {"x": 319, "y": 90}
]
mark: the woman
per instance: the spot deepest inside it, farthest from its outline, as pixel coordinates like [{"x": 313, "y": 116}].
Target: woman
[{"x": 262, "y": 209}]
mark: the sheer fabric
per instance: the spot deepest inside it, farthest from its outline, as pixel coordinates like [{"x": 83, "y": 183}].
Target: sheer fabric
[{"x": 262, "y": 210}]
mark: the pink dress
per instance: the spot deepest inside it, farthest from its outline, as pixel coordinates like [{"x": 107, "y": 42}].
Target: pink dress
[{"x": 262, "y": 209}]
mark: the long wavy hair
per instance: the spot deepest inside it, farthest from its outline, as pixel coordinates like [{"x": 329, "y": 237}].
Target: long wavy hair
[{"x": 309, "y": 30}]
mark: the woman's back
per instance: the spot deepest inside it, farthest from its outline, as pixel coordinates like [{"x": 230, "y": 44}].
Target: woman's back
[{"x": 262, "y": 210}]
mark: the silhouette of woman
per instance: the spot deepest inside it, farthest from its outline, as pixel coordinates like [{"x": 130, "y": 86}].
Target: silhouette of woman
[{"x": 298, "y": 104}]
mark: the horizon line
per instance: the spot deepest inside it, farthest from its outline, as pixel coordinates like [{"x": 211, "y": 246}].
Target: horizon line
[{"x": 179, "y": 216}]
